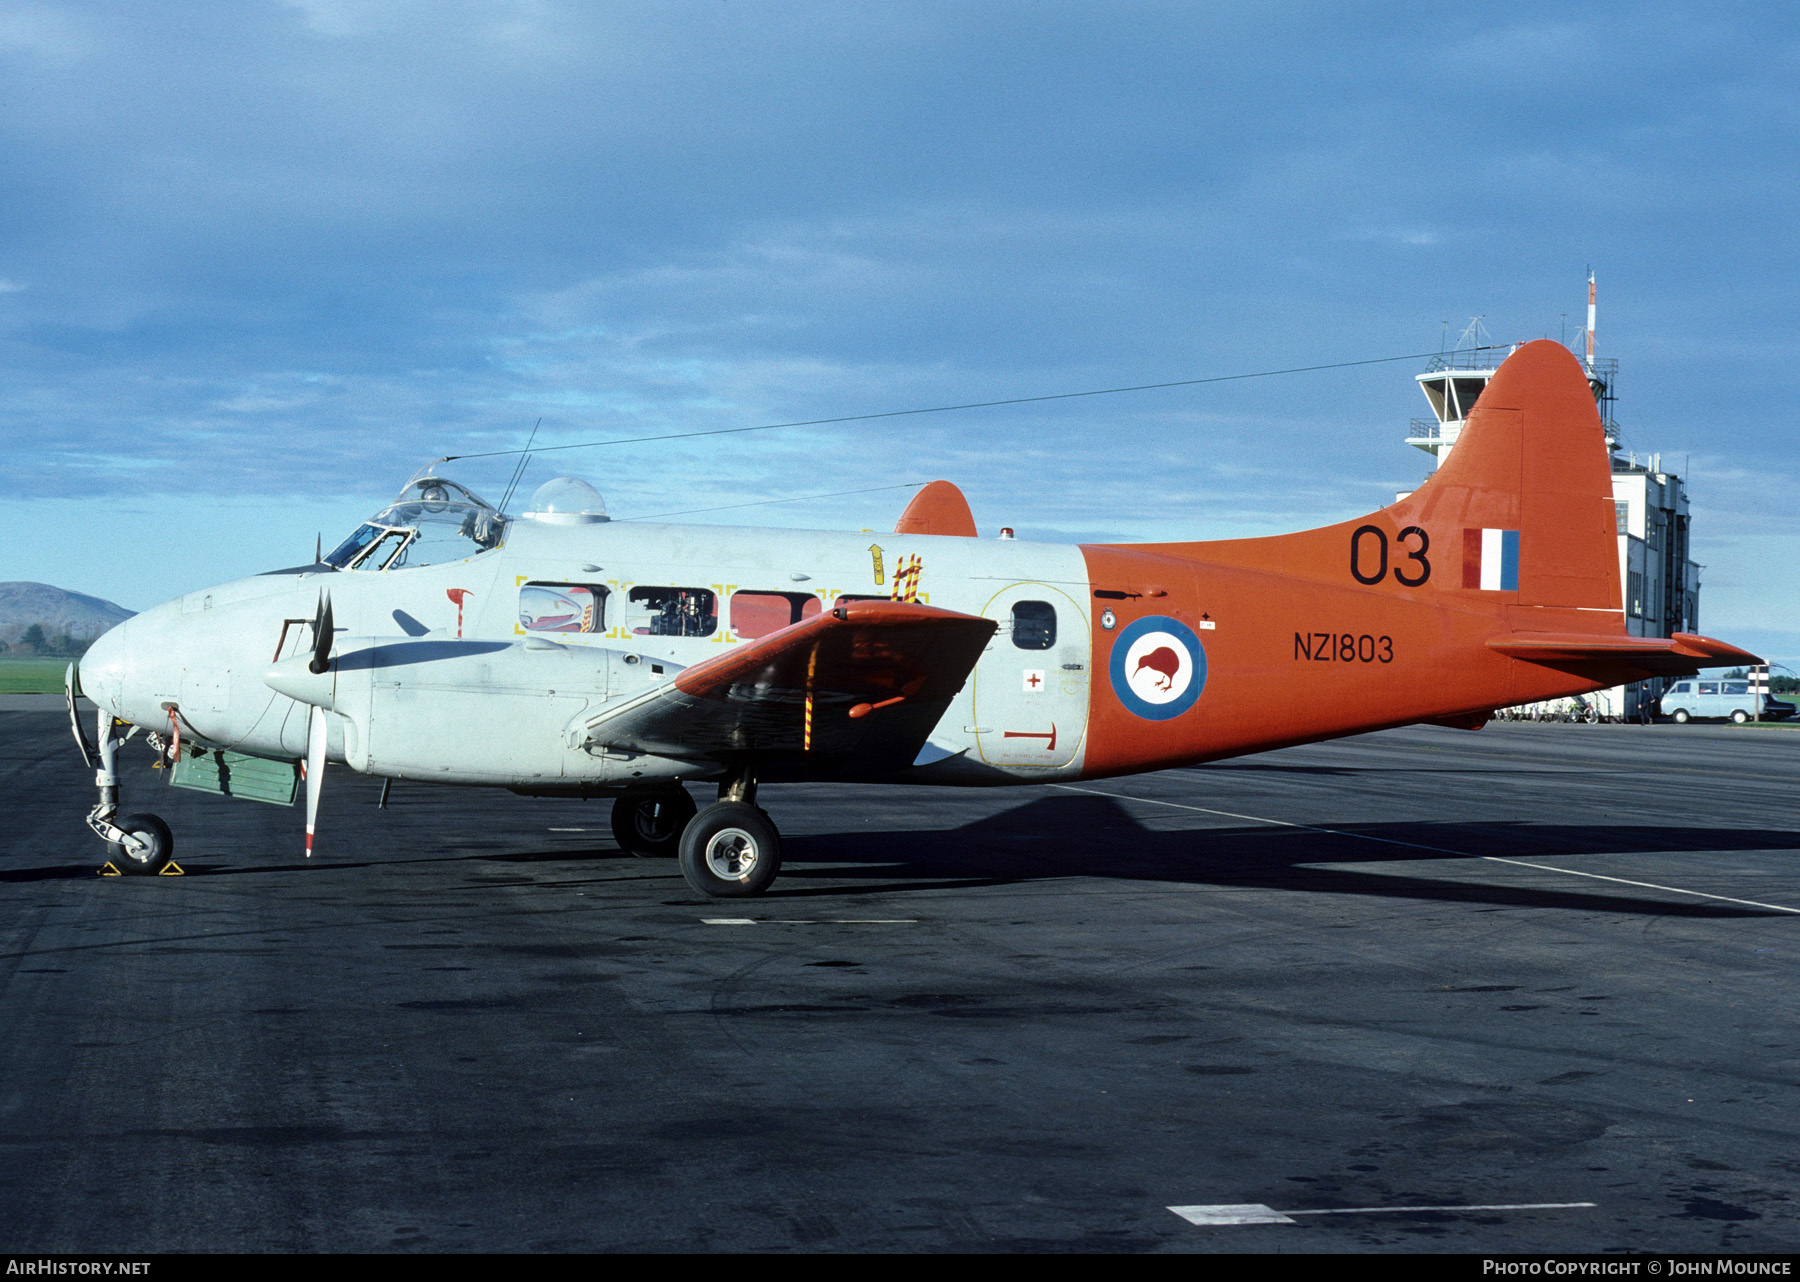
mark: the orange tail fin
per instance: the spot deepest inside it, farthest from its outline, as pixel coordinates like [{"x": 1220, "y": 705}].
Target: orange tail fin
[
  {"x": 1519, "y": 520},
  {"x": 1532, "y": 460}
]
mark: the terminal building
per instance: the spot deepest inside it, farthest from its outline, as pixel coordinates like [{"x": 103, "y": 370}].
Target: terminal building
[{"x": 1659, "y": 582}]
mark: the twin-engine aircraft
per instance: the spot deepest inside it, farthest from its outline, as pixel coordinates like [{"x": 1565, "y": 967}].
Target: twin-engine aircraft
[{"x": 561, "y": 654}]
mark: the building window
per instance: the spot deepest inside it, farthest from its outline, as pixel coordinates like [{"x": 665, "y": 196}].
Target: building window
[
  {"x": 1622, "y": 511},
  {"x": 1467, "y": 390},
  {"x": 1634, "y": 593}
]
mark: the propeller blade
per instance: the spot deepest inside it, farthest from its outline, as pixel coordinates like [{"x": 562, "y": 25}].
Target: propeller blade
[
  {"x": 322, "y": 636},
  {"x": 315, "y": 771}
]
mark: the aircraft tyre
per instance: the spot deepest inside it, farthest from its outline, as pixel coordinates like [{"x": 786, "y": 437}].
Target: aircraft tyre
[
  {"x": 1680, "y": 715},
  {"x": 651, "y": 823},
  {"x": 153, "y": 858},
  {"x": 730, "y": 850}
]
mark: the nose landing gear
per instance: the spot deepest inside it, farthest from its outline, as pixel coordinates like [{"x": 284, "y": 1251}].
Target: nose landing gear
[{"x": 137, "y": 844}]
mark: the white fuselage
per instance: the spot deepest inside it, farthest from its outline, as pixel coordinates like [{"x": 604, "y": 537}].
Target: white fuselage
[{"x": 501, "y": 718}]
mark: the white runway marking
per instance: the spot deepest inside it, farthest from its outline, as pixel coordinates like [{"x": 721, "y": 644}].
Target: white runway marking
[
  {"x": 568, "y": 830},
  {"x": 1257, "y": 1213},
  {"x": 809, "y": 921},
  {"x": 1441, "y": 850}
]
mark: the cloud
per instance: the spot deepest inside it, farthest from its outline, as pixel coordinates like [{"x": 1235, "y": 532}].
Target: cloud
[
  {"x": 301, "y": 248},
  {"x": 54, "y": 37}
]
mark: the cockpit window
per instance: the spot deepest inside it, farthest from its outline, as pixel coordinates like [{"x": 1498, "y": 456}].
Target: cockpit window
[{"x": 432, "y": 521}]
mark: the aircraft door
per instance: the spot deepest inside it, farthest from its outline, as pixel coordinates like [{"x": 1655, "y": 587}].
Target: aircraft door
[{"x": 1031, "y": 683}]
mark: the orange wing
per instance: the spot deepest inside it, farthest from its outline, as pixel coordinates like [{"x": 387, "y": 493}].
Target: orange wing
[{"x": 850, "y": 693}]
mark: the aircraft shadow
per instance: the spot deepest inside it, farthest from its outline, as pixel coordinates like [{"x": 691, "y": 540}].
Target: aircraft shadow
[{"x": 1056, "y": 837}]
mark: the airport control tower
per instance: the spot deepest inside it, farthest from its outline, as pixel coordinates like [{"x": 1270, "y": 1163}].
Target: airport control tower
[{"x": 1660, "y": 584}]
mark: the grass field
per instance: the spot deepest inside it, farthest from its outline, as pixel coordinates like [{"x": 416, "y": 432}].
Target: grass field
[{"x": 32, "y": 676}]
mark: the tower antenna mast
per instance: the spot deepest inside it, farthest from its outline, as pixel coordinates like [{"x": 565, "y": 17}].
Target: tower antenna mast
[{"x": 1590, "y": 324}]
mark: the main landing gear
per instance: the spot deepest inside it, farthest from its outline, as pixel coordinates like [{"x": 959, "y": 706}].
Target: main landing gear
[
  {"x": 728, "y": 850},
  {"x": 651, "y": 823}
]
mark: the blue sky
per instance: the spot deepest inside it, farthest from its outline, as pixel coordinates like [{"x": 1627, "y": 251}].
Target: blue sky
[{"x": 259, "y": 261}]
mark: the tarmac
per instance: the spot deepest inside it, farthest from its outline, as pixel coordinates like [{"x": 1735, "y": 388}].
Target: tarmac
[{"x": 1537, "y": 979}]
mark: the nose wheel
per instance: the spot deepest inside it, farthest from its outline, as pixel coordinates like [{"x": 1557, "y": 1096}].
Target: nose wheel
[
  {"x": 147, "y": 846},
  {"x": 136, "y": 844}
]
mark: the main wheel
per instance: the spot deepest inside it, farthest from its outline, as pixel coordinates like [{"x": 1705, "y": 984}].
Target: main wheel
[
  {"x": 651, "y": 823},
  {"x": 1740, "y": 716},
  {"x": 158, "y": 850},
  {"x": 1680, "y": 715},
  {"x": 730, "y": 850}
]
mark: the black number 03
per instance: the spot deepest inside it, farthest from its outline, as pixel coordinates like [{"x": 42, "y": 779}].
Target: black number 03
[{"x": 1411, "y": 576}]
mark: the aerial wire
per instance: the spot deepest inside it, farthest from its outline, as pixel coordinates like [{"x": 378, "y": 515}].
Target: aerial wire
[
  {"x": 972, "y": 405},
  {"x": 519, "y": 471},
  {"x": 796, "y": 498}
]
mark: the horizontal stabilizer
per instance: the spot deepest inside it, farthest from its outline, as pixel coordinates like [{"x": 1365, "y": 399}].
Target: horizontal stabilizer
[
  {"x": 1681, "y": 655},
  {"x": 858, "y": 687}
]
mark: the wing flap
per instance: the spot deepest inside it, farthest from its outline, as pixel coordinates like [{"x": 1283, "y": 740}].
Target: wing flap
[{"x": 856, "y": 690}]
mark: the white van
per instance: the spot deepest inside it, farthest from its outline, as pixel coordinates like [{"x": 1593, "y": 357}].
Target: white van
[{"x": 1720, "y": 697}]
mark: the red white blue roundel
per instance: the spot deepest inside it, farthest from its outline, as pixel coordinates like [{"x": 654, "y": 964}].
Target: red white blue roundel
[{"x": 1158, "y": 667}]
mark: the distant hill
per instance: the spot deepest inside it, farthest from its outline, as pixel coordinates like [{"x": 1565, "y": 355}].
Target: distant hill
[{"x": 59, "y": 611}]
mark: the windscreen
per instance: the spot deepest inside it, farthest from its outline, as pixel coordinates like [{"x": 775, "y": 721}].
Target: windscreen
[{"x": 432, "y": 521}]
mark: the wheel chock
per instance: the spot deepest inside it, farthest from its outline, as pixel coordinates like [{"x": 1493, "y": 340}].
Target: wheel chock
[
  {"x": 172, "y": 869},
  {"x": 108, "y": 870}
]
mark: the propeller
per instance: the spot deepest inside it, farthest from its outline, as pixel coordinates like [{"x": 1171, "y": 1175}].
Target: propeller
[
  {"x": 322, "y": 636},
  {"x": 315, "y": 770},
  {"x": 316, "y": 731}
]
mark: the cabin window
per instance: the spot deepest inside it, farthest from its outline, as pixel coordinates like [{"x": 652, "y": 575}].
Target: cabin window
[
  {"x": 562, "y": 607},
  {"x": 1709, "y": 687},
  {"x": 673, "y": 612},
  {"x": 1033, "y": 625},
  {"x": 1737, "y": 687},
  {"x": 756, "y": 614}
]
